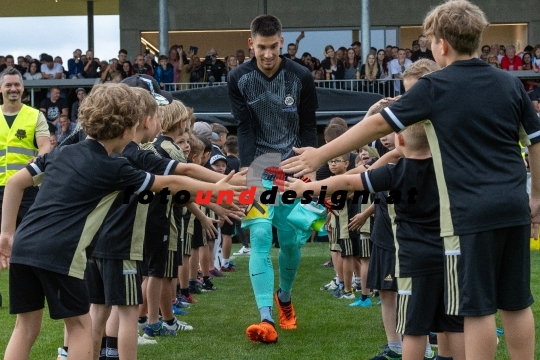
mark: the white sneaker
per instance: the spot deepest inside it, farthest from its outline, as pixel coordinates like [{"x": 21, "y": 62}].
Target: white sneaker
[
  {"x": 144, "y": 341},
  {"x": 62, "y": 354},
  {"x": 176, "y": 327},
  {"x": 243, "y": 251}
]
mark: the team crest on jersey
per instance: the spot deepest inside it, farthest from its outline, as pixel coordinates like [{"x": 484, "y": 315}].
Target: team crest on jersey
[
  {"x": 289, "y": 100},
  {"x": 20, "y": 134}
]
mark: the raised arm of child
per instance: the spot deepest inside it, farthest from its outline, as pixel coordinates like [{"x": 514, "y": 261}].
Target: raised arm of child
[{"x": 13, "y": 194}]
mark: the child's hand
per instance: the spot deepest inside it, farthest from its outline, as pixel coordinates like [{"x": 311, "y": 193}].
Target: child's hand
[
  {"x": 239, "y": 178},
  {"x": 6, "y": 243},
  {"x": 307, "y": 161},
  {"x": 296, "y": 185},
  {"x": 208, "y": 227},
  {"x": 357, "y": 222},
  {"x": 224, "y": 185}
]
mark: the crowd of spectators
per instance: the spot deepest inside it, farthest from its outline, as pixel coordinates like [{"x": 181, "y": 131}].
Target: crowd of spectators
[{"x": 341, "y": 68}]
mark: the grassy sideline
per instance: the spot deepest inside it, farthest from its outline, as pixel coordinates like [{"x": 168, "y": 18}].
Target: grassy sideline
[{"x": 328, "y": 328}]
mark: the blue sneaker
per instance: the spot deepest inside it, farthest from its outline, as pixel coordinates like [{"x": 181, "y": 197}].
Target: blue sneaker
[
  {"x": 379, "y": 302},
  {"x": 338, "y": 293},
  {"x": 181, "y": 302},
  {"x": 178, "y": 311},
  {"x": 387, "y": 354},
  {"x": 362, "y": 303},
  {"x": 153, "y": 330}
]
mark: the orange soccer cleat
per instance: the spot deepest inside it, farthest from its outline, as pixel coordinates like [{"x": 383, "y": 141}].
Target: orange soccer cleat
[
  {"x": 264, "y": 332},
  {"x": 287, "y": 316}
]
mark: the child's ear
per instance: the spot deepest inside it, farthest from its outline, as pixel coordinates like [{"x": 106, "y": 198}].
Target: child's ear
[
  {"x": 401, "y": 140},
  {"x": 444, "y": 47},
  {"x": 146, "y": 122}
]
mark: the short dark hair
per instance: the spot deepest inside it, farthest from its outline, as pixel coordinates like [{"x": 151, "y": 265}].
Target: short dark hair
[
  {"x": 122, "y": 51},
  {"x": 207, "y": 143},
  {"x": 231, "y": 144},
  {"x": 265, "y": 25},
  {"x": 358, "y": 43},
  {"x": 333, "y": 131},
  {"x": 9, "y": 57},
  {"x": 291, "y": 44},
  {"x": 163, "y": 57}
]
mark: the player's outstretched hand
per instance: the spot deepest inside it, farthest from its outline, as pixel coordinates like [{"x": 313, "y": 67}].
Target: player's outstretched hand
[
  {"x": 209, "y": 227},
  {"x": 307, "y": 161},
  {"x": 296, "y": 185},
  {"x": 535, "y": 217},
  {"x": 6, "y": 242},
  {"x": 225, "y": 185}
]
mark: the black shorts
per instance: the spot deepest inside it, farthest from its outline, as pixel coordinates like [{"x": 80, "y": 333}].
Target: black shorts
[
  {"x": 228, "y": 229},
  {"x": 349, "y": 247},
  {"x": 114, "y": 282},
  {"x": 155, "y": 255},
  {"x": 29, "y": 286},
  {"x": 198, "y": 240},
  {"x": 171, "y": 267},
  {"x": 488, "y": 271},
  {"x": 382, "y": 267},
  {"x": 421, "y": 306},
  {"x": 186, "y": 246},
  {"x": 365, "y": 248}
]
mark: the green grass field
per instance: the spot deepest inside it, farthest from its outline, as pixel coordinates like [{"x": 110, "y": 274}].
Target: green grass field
[{"x": 327, "y": 327}]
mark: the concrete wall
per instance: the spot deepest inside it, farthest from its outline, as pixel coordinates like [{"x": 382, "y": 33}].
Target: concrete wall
[{"x": 139, "y": 15}]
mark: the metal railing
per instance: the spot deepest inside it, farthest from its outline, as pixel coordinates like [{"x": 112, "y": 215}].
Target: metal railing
[{"x": 32, "y": 85}]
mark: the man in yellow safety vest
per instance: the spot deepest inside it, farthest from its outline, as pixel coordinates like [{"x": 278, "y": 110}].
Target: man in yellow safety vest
[{"x": 24, "y": 134}]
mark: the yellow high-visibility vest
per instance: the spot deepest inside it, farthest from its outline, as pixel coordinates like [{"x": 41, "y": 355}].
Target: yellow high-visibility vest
[{"x": 17, "y": 143}]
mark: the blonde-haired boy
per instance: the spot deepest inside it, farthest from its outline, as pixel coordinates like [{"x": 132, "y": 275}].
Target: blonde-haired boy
[{"x": 475, "y": 223}]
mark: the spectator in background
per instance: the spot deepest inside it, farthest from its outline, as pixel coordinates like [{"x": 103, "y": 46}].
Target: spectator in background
[
  {"x": 292, "y": 49},
  {"x": 408, "y": 53},
  {"x": 2, "y": 60},
  {"x": 21, "y": 61},
  {"x": 341, "y": 53},
  {"x": 127, "y": 70},
  {"x": 415, "y": 46},
  {"x": 174, "y": 60},
  {"x": 527, "y": 65},
  {"x": 241, "y": 56},
  {"x": 214, "y": 67},
  {"x": 486, "y": 49},
  {"x": 388, "y": 53},
  {"x": 307, "y": 61},
  {"x": 116, "y": 77},
  {"x": 53, "y": 140},
  {"x": 54, "y": 106},
  {"x": 141, "y": 67},
  {"x": 50, "y": 69},
  {"x": 382, "y": 63},
  {"x": 423, "y": 52},
  {"x": 396, "y": 68},
  {"x": 351, "y": 69},
  {"x": 369, "y": 72},
  {"x": 91, "y": 66},
  {"x": 64, "y": 127},
  {"x": 395, "y": 51},
  {"x": 81, "y": 94},
  {"x": 232, "y": 62},
  {"x": 493, "y": 60},
  {"x": 197, "y": 71},
  {"x": 534, "y": 95},
  {"x": 333, "y": 67},
  {"x": 501, "y": 53},
  {"x": 149, "y": 60},
  {"x": 536, "y": 57},
  {"x": 122, "y": 57},
  {"x": 10, "y": 63},
  {"x": 33, "y": 72},
  {"x": 510, "y": 61},
  {"x": 357, "y": 46},
  {"x": 75, "y": 65},
  {"x": 164, "y": 73}
]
